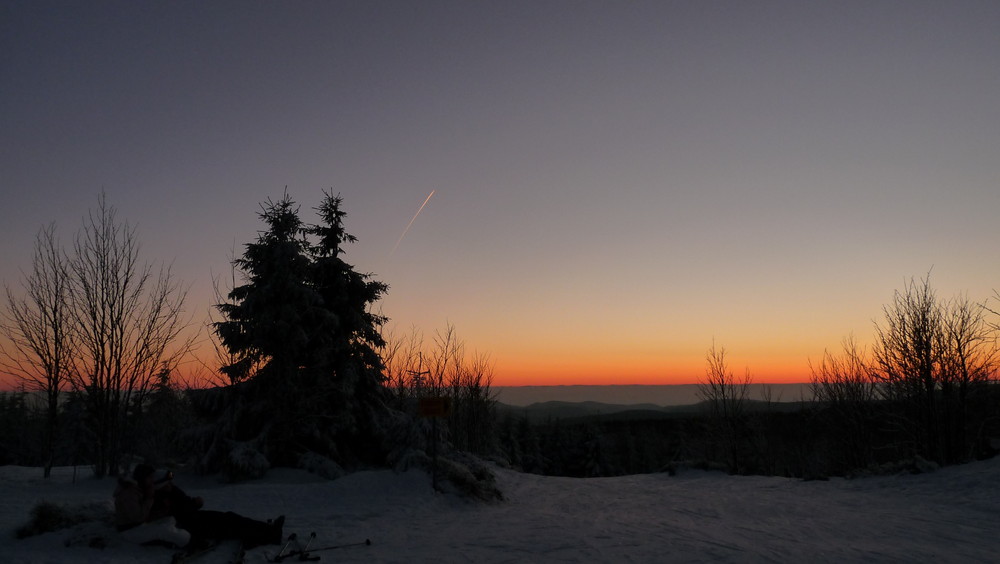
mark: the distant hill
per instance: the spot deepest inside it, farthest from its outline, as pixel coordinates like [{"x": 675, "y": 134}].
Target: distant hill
[
  {"x": 631, "y": 395},
  {"x": 585, "y": 410},
  {"x": 567, "y": 410}
]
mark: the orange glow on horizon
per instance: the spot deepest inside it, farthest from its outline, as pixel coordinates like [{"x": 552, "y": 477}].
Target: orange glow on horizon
[
  {"x": 552, "y": 372},
  {"x": 582, "y": 370}
]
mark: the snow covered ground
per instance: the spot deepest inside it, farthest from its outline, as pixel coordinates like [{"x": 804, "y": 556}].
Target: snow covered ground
[{"x": 952, "y": 515}]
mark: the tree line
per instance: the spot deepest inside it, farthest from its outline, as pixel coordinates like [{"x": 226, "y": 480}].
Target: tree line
[
  {"x": 925, "y": 393},
  {"x": 310, "y": 376}
]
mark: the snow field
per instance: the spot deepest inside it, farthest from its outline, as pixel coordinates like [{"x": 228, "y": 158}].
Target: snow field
[{"x": 952, "y": 515}]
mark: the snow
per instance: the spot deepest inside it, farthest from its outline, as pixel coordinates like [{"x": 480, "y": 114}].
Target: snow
[{"x": 951, "y": 515}]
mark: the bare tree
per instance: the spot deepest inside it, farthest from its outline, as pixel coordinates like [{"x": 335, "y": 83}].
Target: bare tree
[
  {"x": 404, "y": 368},
  {"x": 725, "y": 396},
  {"x": 474, "y": 418},
  {"x": 39, "y": 331},
  {"x": 444, "y": 370},
  {"x": 846, "y": 391},
  {"x": 906, "y": 359},
  {"x": 932, "y": 359},
  {"x": 968, "y": 363},
  {"x": 130, "y": 325}
]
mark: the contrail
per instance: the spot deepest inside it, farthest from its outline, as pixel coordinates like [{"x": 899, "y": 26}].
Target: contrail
[{"x": 408, "y": 225}]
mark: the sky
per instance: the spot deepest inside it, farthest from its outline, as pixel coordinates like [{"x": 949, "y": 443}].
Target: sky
[{"x": 616, "y": 186}]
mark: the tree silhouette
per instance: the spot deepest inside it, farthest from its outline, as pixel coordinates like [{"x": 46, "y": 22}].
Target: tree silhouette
[
  {"x": 39, "y": 329},
  {"x": 129, "y": 323},
  {"x": 725, "y": 396},
  {"x": 303, "y": 337}
]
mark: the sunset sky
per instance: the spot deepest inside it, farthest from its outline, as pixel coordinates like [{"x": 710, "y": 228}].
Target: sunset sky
[{"x": 616, "y": 184}]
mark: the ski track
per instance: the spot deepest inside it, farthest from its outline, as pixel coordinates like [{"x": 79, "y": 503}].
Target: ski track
[{"x": 952, "y": 515}]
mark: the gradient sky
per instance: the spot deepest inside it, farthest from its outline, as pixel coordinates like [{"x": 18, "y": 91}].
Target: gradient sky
[{"x": 616, "y": 183}]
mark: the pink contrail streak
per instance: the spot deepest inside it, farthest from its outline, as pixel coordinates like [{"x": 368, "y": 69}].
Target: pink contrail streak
[{"x": 408, "y": 225}]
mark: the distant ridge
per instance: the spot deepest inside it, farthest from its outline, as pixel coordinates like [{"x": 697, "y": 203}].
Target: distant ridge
[
  {"x": 565, "y": 411},
  {"x": 635, "y": 394},
  {"x": 569, "y": 411}
]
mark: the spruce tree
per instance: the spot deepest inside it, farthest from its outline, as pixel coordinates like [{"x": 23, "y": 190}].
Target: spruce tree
[
  {"x": 348, "y": 296},
  {"x": 265, "y": 319},
  {"x": 349, "y": 364},
  {"x": 304, "y": 339}
]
